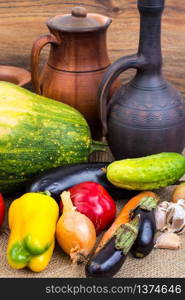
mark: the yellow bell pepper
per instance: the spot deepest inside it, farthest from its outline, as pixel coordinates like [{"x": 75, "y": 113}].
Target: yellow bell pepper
[{"x": 32, "y": 220}]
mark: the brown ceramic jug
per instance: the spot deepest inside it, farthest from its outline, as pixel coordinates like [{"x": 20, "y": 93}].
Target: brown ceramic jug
[
  {"x": 77, "y": 61},
  {"x": 147, "y": 115}
]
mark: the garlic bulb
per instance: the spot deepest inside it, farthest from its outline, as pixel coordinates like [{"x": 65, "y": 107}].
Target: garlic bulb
[
  {"x": 171, "y": 216},
  {"x": 160, "y": 215},
  {"x": 168, "y": 240}
]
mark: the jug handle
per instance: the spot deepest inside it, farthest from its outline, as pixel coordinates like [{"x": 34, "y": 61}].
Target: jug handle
[
  {"x": 42, "y": 41},
  {"x": 119, "y": 66}
]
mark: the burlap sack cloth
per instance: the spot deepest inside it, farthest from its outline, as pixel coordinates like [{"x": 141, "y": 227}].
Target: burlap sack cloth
[{"x": 159, "y": 263}]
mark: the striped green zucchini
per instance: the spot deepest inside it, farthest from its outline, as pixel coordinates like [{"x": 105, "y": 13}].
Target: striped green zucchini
[{"x": 37, "y": 133}]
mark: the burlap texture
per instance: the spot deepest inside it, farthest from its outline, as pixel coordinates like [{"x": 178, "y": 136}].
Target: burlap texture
[{"x": 159, "y": 263}]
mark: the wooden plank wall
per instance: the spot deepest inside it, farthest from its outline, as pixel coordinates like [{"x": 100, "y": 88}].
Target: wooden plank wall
[{"x": 21, "y": 22}]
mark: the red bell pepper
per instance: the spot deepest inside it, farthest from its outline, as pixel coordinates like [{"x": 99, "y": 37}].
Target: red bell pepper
[
  {"x": 2, "y": 209},
  {"x": 92, "y": 200}
]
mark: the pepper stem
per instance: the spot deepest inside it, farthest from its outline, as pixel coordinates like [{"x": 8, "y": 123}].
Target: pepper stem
[
  {"x": 127, "y": 234},
  {"x": 47, "y": 193}
]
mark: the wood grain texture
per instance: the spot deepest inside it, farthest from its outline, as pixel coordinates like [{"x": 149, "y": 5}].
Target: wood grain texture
[{"x": 21, "y": 22}]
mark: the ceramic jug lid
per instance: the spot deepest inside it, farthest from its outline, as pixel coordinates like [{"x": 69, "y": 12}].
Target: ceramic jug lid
[{"x": 79, "y": 20}]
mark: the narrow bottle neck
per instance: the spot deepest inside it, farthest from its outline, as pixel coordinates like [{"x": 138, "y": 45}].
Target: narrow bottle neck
[{"x": 150, "y": 39}]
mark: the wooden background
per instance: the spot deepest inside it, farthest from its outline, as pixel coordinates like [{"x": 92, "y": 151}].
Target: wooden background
[{"x": 21, "y": 22}]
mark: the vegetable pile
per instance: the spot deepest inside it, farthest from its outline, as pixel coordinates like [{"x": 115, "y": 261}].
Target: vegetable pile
[
  {"x": 44, "y": 151},
  {"x": 86, "y": 210}
]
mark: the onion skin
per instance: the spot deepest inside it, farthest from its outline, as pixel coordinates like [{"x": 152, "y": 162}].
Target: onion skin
[
  {"x": 92, "y": 200},
  {"x": 75, "y": 232}
]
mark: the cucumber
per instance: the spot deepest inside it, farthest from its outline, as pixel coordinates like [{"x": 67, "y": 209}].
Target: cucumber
[{"x": 147, "y": 173}]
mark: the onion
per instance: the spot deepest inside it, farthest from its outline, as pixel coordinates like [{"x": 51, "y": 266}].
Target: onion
[{"x": 75, "y": 232}]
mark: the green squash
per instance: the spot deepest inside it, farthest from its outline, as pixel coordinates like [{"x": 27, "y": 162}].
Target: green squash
[{"x": 36, "y": 134}]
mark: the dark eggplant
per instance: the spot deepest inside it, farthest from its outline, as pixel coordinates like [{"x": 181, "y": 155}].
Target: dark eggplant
[
  {"x": 109, "y": 259},
  {"x": 107, "y": 262},
  {"x": 56, "y": 180},
  {"x": 145, "y": 239}
]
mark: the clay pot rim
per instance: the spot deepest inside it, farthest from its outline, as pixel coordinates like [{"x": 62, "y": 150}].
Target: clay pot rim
[
  {"x": 19, "y": 75},
  {"x": 105, "y": 20}
]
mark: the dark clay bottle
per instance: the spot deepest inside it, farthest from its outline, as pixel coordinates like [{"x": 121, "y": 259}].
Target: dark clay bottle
[{"x": 147, "y": 115}]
